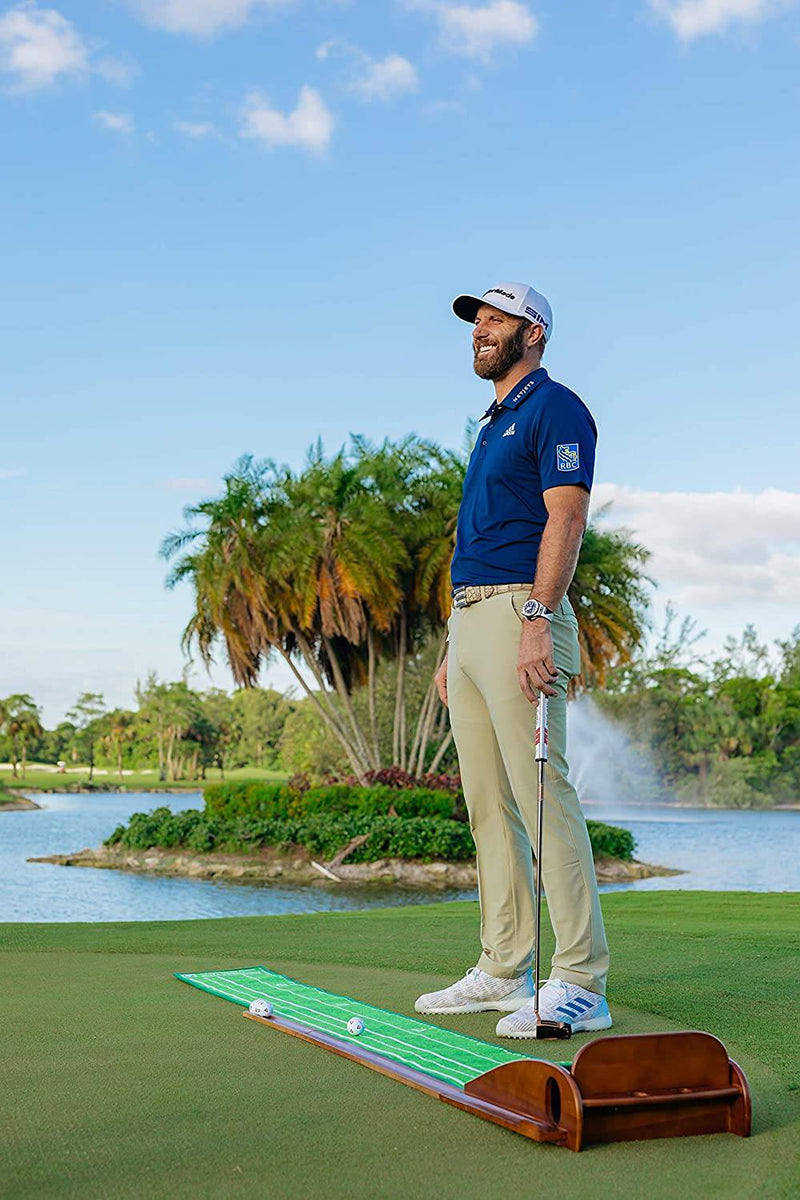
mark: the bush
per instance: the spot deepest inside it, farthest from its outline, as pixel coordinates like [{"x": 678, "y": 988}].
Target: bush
[
  {"x": 321, "y": 835},
  {"x": 610, "y": 841},
  {"x": 406, "y": 835},
  {"x": 396, "y": 777},
  {"x": 278, "y": 801}
]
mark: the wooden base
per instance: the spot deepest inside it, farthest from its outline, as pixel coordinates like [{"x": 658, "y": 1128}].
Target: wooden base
[{"x": 618, "y": 1089}]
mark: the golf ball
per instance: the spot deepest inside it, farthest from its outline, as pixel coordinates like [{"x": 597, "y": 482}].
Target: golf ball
[
  {"x": 355, "y": 1025},
  {"x": 260, "y": 1008}
]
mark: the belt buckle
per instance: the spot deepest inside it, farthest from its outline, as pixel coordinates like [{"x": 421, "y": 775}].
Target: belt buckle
[{"x": 460, "y": 598}]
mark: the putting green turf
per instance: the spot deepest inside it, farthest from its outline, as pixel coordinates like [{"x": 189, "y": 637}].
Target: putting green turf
[
  {"x": 454, "y": 1057},
  {"x": 117, "y": 1080}
]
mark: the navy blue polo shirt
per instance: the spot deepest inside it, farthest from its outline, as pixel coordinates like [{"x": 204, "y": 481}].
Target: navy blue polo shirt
[{"x": 541, "y": 436}]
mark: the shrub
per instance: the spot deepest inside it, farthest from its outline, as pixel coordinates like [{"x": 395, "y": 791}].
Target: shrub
[
  {"x": 247, "y": 798},
  {"x": 397, "y": 777},
  {"x": 610, "y": 841},
  {"x": 271, "y": 801},
  {"x": 422, "y": 831}
]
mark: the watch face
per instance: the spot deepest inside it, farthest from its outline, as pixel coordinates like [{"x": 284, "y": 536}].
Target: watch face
[{"x": 534, "y": 608}]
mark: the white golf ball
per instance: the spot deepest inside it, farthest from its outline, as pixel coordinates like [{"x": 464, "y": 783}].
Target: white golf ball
[
  {"x": 355, "y": 1026},
  {"x": 260, "y": 1008}
]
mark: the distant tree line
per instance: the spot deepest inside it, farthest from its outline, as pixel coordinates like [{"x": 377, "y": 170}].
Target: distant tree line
[
  {"x": 175, "y": 731},
  {"x": 721, "y": 729}
]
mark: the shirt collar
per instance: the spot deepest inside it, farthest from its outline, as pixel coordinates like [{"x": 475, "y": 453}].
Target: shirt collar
[{"x": 518, "y": 393}]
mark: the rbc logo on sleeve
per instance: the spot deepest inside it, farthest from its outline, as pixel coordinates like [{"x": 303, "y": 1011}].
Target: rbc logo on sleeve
[{"x": 567, "y": 456}]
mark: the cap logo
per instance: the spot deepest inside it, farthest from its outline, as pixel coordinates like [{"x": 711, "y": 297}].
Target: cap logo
[
  {"x": 500, "y": 292},
  {"x": 537, "y": 315}
]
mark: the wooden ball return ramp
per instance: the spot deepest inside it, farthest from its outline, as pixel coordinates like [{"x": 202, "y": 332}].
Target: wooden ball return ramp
[
  {"x": 622, "y": 1089},
  {"x": 616, "y": 1089}
]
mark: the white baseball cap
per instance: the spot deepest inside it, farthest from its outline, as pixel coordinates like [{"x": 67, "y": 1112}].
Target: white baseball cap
[{"x": 518, "y": 299}]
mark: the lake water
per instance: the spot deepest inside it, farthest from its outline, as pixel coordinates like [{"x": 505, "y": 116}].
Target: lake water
[{"x": 719, "y": 850}]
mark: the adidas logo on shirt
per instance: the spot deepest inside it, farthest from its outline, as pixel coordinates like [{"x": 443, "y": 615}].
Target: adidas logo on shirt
[{"x": 512, "y": 429}]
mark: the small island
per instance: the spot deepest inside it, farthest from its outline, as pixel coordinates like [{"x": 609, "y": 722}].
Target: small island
[
  {"x": 328, "y": 835},
  {"x": 13, "y": 801}
]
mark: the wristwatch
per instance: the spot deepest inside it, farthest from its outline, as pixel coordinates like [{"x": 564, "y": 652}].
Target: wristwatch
[{"x": 532, "y": 609}]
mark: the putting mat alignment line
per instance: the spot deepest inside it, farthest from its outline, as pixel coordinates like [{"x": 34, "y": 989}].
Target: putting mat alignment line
[{"x": 455, "y": 1058}]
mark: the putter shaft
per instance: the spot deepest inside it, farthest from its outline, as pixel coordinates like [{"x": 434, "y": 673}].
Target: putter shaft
[{"x": 540, "y": 755}]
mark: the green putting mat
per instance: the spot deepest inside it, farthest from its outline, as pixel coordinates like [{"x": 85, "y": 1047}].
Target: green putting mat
[{"x": 455, "y": 1058}]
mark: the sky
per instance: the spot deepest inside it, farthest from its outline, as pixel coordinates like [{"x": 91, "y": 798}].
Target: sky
[{"x": 233, "y": 226}]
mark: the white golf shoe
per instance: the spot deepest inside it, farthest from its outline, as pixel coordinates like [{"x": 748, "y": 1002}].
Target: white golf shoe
[
  {"x": 479, "y": 992},
  {"x": 558, "y": 1001}
]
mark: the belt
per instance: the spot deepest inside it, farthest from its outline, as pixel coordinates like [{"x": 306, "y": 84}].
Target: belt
[{"x": 464, "y": 596}]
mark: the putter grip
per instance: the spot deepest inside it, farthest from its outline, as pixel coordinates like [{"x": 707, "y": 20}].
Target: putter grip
[{"x": 540, "y": 746}]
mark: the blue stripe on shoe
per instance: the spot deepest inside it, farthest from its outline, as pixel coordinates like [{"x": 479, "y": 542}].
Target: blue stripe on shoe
[{"x": 587, "y": 1004}]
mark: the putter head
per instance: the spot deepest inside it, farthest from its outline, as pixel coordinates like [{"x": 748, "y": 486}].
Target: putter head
[{"x": 552, "y": 1029}]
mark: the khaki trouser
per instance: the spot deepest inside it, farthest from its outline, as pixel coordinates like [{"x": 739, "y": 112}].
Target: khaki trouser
[{"x": 493, "y": 726}]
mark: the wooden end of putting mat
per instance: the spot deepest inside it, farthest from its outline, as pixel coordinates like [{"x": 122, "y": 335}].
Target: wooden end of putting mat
[{"x": 617, "y": 1088}]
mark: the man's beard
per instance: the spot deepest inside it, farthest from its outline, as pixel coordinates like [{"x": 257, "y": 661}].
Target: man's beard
[{"x": 503, "y": 358}]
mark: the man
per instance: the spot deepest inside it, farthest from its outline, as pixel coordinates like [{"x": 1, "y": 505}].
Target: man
[{"x": 512, "y": 634}]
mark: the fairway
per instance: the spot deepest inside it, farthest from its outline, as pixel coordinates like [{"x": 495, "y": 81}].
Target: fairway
[{"x": 121, "y": 1081}]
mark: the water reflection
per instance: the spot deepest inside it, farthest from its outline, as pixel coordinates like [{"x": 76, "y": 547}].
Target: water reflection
[{"x": 720, "y": 850}]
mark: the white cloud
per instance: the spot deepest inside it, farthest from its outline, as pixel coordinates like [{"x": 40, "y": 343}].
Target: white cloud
[
  {"x": 374, "y": 79},
  {"x": 386, "y": 78},
  {"x": 694, "y": 18},
  {"x": 203, "y": 18},
  {"x": 11, "y": 472},
  {"x": 115, "y": 122},
  {"x": 310, "y": 125},
  {"x": 714, "y": 548},
  {"x": 38, "y": 45},
  {"x": 475, "y": 30},
  {"x": 194, "y": 129}
]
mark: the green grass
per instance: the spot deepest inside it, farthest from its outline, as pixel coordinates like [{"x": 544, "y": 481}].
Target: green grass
[
  {"x": 120, "y": 1081},
  {"x": 36, "y": 777},
  {"x": 6, "y": 797}
]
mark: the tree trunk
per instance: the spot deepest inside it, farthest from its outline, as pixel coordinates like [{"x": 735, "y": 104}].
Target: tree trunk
[
  {"x": 396, "y": 717},
  {"x": 24, "y": 759},
  {"x": 119, "y": 760},
  {"x": 427, "y": 700},
  {"x": 399, "y": 732},
  {"x": 330, "y": 719},
  {"x": 170, "y": 743},
  {"x": 427, "y": 730},
  {"x": 91, "y": 761},
  {"x": 338, "y": 723},
  {"x": 160, "y": 740},
  {"x": 440, "y": 753},
  {"x": 344, "y": 697},
  {"x": 373, "y": 719}
]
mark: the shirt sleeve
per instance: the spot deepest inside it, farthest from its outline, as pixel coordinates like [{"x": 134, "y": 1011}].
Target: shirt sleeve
[{"x": 565, "y": 440}]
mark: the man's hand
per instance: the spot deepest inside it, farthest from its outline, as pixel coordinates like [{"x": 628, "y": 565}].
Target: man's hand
[
  {"x": 440, "y": 679},
  {"x": 536, "y": 670}
]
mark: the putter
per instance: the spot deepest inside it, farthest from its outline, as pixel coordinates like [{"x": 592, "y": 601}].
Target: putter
[{"x": 544, "y": 1029}]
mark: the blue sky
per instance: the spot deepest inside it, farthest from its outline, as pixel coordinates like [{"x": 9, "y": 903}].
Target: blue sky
[{"x": 231, "y": 226}]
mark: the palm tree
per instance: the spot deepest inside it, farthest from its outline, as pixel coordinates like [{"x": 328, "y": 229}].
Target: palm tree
[
  {"x": 20, "y": 720},
  {"x": 610, "y": 598},
  {"x": 89, "y": 707},
  {"x": 346, "y": 564},
  {"x": 121, "y": 729},
  {"x": 306, "y": 565}
]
